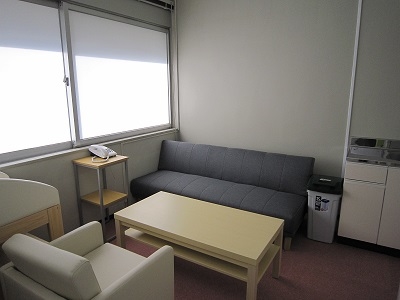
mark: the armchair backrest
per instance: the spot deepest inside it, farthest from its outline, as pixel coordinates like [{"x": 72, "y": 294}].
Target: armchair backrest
[{"x": 67, "y": 274}]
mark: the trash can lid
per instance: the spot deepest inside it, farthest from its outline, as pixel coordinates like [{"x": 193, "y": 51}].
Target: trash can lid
[{"x": 325, "y": 184}]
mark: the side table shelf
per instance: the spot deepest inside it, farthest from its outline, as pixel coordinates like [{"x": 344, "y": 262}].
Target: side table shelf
[
  {"x": 102, "y": 197},
  {"x": 109, "y": 197}
]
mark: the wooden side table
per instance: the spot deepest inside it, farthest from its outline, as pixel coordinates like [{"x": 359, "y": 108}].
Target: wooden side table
[{"x": 103, "y": 197}]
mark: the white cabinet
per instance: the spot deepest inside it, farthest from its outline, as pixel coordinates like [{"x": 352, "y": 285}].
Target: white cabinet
[
  {"x": 370, "y": 210},
  {"x": 362, "y": 200},
  {"x": 389, "y": 230}
]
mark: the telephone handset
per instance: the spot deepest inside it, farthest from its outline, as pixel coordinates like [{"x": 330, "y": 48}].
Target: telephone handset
[{"x": 101, "y": 151}]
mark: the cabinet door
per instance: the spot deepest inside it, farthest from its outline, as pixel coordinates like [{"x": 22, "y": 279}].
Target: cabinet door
[
  {"x": 389, "y": 231},
  {"x": 361, "y": 210},
  {"x": 366, "y": 172}
]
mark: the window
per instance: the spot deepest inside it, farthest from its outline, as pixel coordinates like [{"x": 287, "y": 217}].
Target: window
[
  {"x": 104, "y": 77},
  {"x": 34, "y": 109},
  {"x": 121, "y": 75}
]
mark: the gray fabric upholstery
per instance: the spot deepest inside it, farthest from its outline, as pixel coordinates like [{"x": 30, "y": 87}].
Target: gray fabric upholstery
[
  {"x": 280, "y": 172},
  {"x": 266, "y": 183}
]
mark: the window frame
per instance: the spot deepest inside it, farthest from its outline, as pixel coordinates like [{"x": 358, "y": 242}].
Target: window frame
[
  {"x": 148, "y": 21},
  {"x": 44, "y": 149},
  {"x": 69, "y": 66}
]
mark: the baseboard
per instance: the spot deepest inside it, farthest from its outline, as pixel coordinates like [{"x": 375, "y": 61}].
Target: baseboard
[{"x": 368, "y": 246}]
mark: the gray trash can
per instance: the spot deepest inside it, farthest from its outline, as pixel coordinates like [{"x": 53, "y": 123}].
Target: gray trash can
[{"x": 324, "y": 194}]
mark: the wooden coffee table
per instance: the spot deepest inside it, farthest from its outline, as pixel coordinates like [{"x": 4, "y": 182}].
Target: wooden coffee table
[{"x": 234, "y": 242}]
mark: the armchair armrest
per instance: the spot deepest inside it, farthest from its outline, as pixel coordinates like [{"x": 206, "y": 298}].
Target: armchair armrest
[
  {"x": 151, "y": 279},
  {"x": 82, "y": 240},
  {"x": 16, "y": 285}
]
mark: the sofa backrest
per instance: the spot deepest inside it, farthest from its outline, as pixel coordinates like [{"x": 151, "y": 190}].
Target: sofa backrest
[{"x": 281, "y": 172}]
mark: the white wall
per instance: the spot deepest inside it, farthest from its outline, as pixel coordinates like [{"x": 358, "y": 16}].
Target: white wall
[
  {"x": 376, "y": 107},
  {"x": 270, "y": 75}
]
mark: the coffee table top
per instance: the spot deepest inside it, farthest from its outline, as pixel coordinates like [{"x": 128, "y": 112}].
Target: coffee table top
[{"x": 203, "y": 226}]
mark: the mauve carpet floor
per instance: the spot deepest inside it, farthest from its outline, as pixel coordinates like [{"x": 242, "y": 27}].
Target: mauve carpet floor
[{"x": 310, "y": 270}]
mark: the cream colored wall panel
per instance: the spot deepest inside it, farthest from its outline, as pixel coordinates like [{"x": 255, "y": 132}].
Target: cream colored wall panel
[{"x": 389, "y": 230}]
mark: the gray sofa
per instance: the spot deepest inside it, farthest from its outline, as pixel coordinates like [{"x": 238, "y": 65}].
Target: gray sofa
[{"x": 266, "y": 183}]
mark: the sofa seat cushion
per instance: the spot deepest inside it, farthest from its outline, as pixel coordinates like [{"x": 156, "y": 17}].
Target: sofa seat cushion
[{"x": 287, "y": 206}]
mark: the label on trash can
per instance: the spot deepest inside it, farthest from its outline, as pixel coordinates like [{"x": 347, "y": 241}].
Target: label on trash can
[{"x": 321, "y": 204}]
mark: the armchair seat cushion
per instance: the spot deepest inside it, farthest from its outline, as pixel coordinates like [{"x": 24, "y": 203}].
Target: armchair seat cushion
[{"x": 110, "y": 262}]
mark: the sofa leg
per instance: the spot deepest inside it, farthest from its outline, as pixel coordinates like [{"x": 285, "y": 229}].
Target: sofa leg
[{"x": 286, "y": 243}]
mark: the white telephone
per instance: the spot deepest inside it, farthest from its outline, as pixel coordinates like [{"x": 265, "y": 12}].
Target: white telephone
[{"x": 102, "y": 151}]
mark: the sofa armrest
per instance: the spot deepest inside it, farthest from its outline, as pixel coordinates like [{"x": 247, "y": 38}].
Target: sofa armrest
[
  {"x": 82, "y": 240},
  {"x": 151, "y": 279}
]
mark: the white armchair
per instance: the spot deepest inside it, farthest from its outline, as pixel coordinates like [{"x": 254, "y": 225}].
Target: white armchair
[{"x": 79, "y": 265}]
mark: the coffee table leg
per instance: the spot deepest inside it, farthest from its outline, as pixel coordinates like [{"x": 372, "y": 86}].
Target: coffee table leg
[
  {"x": 251, "y": 292},
  {"x": 276, "y": 264},
  {"x": 120, "y": 233}
]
